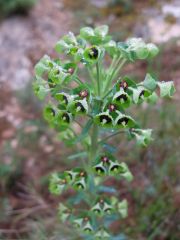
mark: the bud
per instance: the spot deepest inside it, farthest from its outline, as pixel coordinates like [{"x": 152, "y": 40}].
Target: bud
[
  {"x": 112, "y": 107},
  {"x": 105, "y": 159},
  {"x": 123, "y": 85},
  {"x": 83, "y": 94},
  {"x": 70, "y": 71}
]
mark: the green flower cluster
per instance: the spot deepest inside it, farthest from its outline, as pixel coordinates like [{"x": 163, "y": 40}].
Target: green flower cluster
[{"x": 101, "y": 102}]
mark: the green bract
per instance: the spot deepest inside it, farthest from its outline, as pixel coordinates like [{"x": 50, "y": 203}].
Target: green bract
[{"x": 88, "y": 103}]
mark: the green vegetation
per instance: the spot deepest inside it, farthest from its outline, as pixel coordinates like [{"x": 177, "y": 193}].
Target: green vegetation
[{"x": 8, "y": 7}]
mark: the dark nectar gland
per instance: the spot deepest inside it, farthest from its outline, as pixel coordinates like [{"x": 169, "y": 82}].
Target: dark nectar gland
[
  {"x": 65, "y": 117},
  {"x": 122, "y": 97},
  {"x": 141, "y": 95},
  {"x": 80, "y": 107},
  {"x": 104, "y": 119},
  {"x": 93, "y": 53},
  {"x": 65, "y": 100},
  {"x": 123, "y": 121}
]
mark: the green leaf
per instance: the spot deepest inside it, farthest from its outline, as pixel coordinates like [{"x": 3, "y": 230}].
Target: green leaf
[
  {"x": 138, "y": 48},
  {"x": 149, "y": 82},
  {"x": 61, "y": 46},
  {"x": 70, "y": 38},
  {"x": 40, "y": 68},
  {"x": 86, "y": 32},
  {"x": 78, "y": 56},
  {"x": 101, "y": 31},
  {"x": 167, "y": 89},
  {"x": 125, "y": 173},
  {"x": 143, "y": 137},
  {"x": 40, "y": 91},
  {"x": 43, "y": 65},
  {"x": 123, "y": 208},
  {"x": 153, "y": 98},
  {"x": 111, "y": 48},
  {"x": 141, "y": 52},
  {"x": 153, "y": 50},
  {"x": 77, "y": 155}
]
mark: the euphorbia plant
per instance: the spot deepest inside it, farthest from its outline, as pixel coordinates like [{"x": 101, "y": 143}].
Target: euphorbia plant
[{"x": 100, "y": 103}]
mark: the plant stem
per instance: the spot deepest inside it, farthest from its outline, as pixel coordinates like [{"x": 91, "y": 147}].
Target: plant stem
[
  {"x": 114, "y": 74},
  {"x": 94, "y": 143},
  {"x": 98, "y": 79},
  {"x": 110, "y": 136},
  {"x": 92, "y": 79},
  {"x": 77, "y": 80}
]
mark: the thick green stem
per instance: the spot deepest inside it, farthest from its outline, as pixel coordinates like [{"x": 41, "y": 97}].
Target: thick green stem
[
  {"x": 92, "y": 79},
  {"x": 98, "y": 79},
  {"x": 94, "y": 143}
]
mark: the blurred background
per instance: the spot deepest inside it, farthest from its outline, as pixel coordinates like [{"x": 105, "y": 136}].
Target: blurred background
[{"x": 30, "y": 151}]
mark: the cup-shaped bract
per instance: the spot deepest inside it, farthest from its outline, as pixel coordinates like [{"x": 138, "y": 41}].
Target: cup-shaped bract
[
  {"x": 78, "y": 107},
  {"x": 63, "y": 118},
  {"x": 57, "y": 183},
  {"x": 100, "y": 169},
  {"x": 63, "y": 212},
  {"x": 122, "y": 99},
  {"x": 49, "y": 112},
  {"x": 97, "y": 209},
  {"x": 140, "y": 94},
  {"x": 122, "y": 208},
  {"x": 92, "y": 54},
  {"x": 124, "y": 121},
  {"x": 63, "y": 99},
  {"x": 102, "y": 235},
  {"x": 104, "y": 119},
  {"x": 87, "y": 228}
]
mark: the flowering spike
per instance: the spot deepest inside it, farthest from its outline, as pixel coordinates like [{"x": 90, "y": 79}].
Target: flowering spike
[{"x": 97, "y": 105}]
